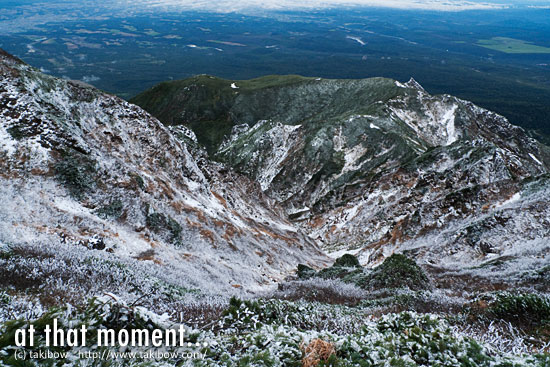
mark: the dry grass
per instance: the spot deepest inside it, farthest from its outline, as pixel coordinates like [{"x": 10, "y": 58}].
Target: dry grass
[
  {"x": 316, "y": 351},
  {"x": 329, "y": 291}
]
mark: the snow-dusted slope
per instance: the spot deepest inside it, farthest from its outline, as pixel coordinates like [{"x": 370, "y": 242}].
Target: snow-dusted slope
[
  {"x": 86, "y": 170},
  {"x": 379, "y": 166},
  {"x": 474, "y": 194}
]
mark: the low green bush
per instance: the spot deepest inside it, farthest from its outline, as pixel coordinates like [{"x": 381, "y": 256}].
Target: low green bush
[
  {"x": 111, "y": 210},
  {"x": 347, "y": 260},
  {"x": 398, "y": 271},
  {"x": 76, "y": 172},
  {"x": 530, "y": 309},
  {"x": 305, "y": 272},
  {"x": 159, "y": 222}
]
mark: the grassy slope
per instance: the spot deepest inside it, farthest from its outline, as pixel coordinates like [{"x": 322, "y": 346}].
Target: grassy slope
[{"x": 207, "y": 110}]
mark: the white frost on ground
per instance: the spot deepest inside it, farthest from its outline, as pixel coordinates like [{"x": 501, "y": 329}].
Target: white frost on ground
[{"x": 513, "y": 199}]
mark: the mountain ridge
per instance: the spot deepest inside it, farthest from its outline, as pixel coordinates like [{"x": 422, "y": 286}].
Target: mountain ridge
[{"x": 375, "y": 165}]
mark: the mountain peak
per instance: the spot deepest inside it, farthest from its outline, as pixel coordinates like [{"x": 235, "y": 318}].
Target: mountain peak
[{"x": 414, "y": 84}]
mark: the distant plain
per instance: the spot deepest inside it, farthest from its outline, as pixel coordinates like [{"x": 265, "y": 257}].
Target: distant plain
[{"x": 499, "y": 58}]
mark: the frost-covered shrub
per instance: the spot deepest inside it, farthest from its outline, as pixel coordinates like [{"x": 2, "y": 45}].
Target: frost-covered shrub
[
  {"x": 527, "y": 309},
  {"x": 410, "y": 339},
  {"x": 273, "y": 333},
  {"x": 245, "y": 314},
  {"x": 252, "y": 314},
  {"x": 200, "y": 313},
  {"x": 106, "y": 312},
  {"x": 269, "y": 345},
  {"x": 406, "y": 339},
  {"x": 514, "y": 322},
  {"x": 56, "y": 276},
  {"x": 502, "y": 337},
  {"x": 12, "y": 307},
  {"x": 76, "y": 172},
  {"x": 397, "y": 271},
  {"x": 424, "y": 301}
]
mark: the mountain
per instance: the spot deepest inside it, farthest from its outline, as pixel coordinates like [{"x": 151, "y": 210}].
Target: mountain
[
  {"x": 99, "y": 196},
  {"x": 376, "y": 166},
  {"x": 111, "y": 220}
]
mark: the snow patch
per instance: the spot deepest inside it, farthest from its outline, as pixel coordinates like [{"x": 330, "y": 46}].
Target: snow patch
[
  {"x": 513, "y": 199},
  {"x": 340, "y": 253},
  {"x": 7, "y": 143},
  {"x": 535, "y": 159},
  {"x": 435, "y": 122},
  {"x": 449, "y": 122}
]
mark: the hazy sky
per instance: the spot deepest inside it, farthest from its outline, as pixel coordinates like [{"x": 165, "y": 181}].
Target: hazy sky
[
  {"x": 21, "y": 15},
  {"x": 240, "y": 5}
]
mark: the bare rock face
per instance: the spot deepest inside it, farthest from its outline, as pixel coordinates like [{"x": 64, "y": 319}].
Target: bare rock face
[
  {"x": 84, "y": 170},
  {"x": 377, "y": 166}
]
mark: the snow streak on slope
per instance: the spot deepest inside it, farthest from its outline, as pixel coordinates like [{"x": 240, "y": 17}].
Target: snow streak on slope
[
  {"x": 433, "y": 121},
  {"x": 270, "y": 166}
]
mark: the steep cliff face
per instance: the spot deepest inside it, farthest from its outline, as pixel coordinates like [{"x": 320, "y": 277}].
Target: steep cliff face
[
  {"x": 84, "y": 170},
  {"x": 378, "y": 166}
]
